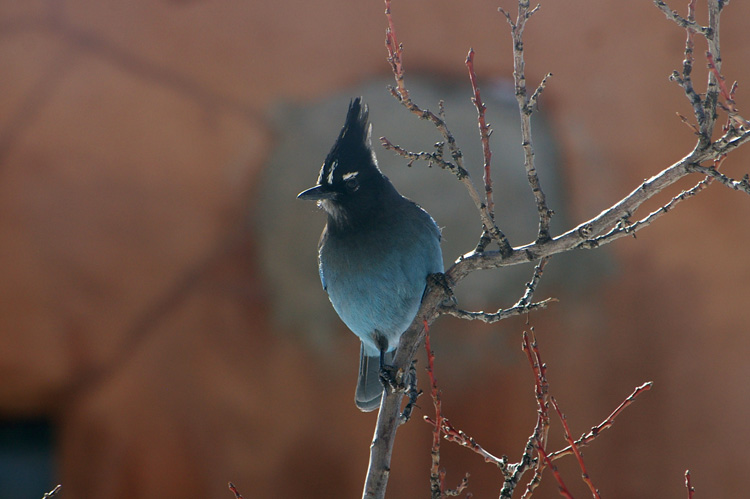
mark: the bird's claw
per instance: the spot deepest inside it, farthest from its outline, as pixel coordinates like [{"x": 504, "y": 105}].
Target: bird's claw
[{"x": 392, "y": 379}]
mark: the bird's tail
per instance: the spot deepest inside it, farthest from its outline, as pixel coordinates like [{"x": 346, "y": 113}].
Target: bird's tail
[{"x": 369, "y": 387}]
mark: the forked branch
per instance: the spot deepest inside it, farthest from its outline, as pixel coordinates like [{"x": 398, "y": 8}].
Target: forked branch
[{"x": 612, "y": 223}]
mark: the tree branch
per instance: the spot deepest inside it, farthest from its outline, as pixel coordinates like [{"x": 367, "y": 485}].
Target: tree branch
[
  {"x": 52, "y": 493},
  {"x": 574, "y": 448},
  {"x": 401, "y": 94},
  {"x": 689, "y": 485},
  {"x": 607, "y": 423},
  {"x": 609, "y": 225},
  {"x": 526, "y": 108}
]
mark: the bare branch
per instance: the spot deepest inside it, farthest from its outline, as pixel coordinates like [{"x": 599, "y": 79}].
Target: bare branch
[
  {"x": 538, "y": 92},
  {"x": 395, "y": 52},
  {"x": 727, "y": 94},
  {"x": 610, "y": 224},
  {"x": 484, "y": 133},
  {"x": 532, "y": 284},
  {"x": 457, "y": 436},
  {"x": 685, "y": 80},
  {"x": 625, "y": 228},
  {"x": 608, "y": 422},
  {"x": 582, "y": 235},
  {"x": 689, "y": 485},
  {"x": 436, "y": 478},
  {"x": 563, "y": 489},
  {"x": 681, "y": 21},
  {"x": 574, "y": 448},
  {"x": 738, "y": 185},
  {"x": 538, "y": 439},
  {"x": 431, "y": 157},
  {"x": 526, "y": 107},
  {"x": 501, "y": 314},
  {"x": 52, "y": 493},
  {"x": 714, "y": 47},
  {"x": 523, "y": 305},
  {"x": 459, "y": 489}
]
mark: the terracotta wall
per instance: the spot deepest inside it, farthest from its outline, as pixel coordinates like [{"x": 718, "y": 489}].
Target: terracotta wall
[{"x": 134, "y": 312}]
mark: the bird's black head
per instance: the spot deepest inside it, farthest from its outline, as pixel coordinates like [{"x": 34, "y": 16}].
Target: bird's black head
[{"x": 350, "y": 186}]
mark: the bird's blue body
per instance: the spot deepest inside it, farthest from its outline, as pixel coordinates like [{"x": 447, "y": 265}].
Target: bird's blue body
[
  {"x": 375, "y": 276},
  {"x": 375, "y": 253}
]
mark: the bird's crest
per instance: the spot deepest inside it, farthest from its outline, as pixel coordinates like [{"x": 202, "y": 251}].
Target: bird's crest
[{"x": 352, "y": 149}]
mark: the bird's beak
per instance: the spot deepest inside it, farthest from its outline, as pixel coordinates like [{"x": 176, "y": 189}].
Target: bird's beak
[{"x": 316, "y": 193}]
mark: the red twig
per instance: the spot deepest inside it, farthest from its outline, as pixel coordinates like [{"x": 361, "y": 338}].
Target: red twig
[
  {"x": 237, "y": 495},
  {"x": 545, "y": 458},
  {"x": 609, "y": 421},
  {"x": 541, "y": 387},
  {"x": 458, "y": 436},
  {"x": 395, "y": 53},
  {"x": 538, "y": 439},
  {"x": 484, "y": 132},
  {"x": 459, "y": 489},
  {"x": 728, "y": 94},
  {"x": 576, "y": 451},
  {"x": 694, "y": 128},
  {"x": 689, "y": 485},
  {"x": 454, "y": 159},
  {"x": 438, "y": 489}
]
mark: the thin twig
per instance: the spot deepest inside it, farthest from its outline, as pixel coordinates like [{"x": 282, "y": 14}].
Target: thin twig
[
  {"x": 541, "y": 394},
  {"x": 52, "y": 493},
  {"x": 400, "y": 92},
  {"x": 685, "y": 80},
  {"x": 234, "y": 490},
  {"x": 463, "y": 484},
  {"x": 538, "y": 438},
  {"x": 711, "y": 100},
  {"x": 501, "y": 314},
  {"x": 587, "y": 438},
  {"x": 738, "y": 185},
  {"x": 523, "y": 305},
  {"x": 484, "y": 133},
  {"x": 528, "y": 296},
  {"x": 395, "y": 52},
  {"x": 689, "y": 485},
  {"x": 436, "y": 478},
  {"x": 534, "y": 99},
  {"x": 566, "y": 430},
  {"x": 526, "y": 108},
  {"x": 431, "y": 157},
  {"x": 681, "y": 21},
  {"x": 626, "y": 228},
  {"x": 730, "y": 106},
  {"x": 451, "y": 434},
  {"x": 561, "y": 485}
]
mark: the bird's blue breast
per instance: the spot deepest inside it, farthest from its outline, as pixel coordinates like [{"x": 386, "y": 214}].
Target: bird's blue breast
[{"x": 375, "y": 277}]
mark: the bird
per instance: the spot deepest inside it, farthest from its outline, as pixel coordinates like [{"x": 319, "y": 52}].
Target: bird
[{"x": 376, "y": 251}]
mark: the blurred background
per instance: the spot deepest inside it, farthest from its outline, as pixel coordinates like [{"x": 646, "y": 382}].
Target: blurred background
[{"x": 162, "y": 326}]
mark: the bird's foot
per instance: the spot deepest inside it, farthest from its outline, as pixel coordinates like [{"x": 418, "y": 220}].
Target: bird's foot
[
  {"x": 412, "y": 392},
  {"x": 392, "y": 379}
]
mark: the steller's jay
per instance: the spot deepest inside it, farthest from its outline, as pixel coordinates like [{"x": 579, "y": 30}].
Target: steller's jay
[{"x": 375, "y": 253}]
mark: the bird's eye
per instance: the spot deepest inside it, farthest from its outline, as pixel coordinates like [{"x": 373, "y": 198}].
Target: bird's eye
[{"x": 352, "y": 184}]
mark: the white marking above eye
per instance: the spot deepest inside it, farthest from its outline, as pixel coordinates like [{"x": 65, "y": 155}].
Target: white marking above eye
[
  {"x": 347, "y": 176},
  {"x": 330, "y": 173}
]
